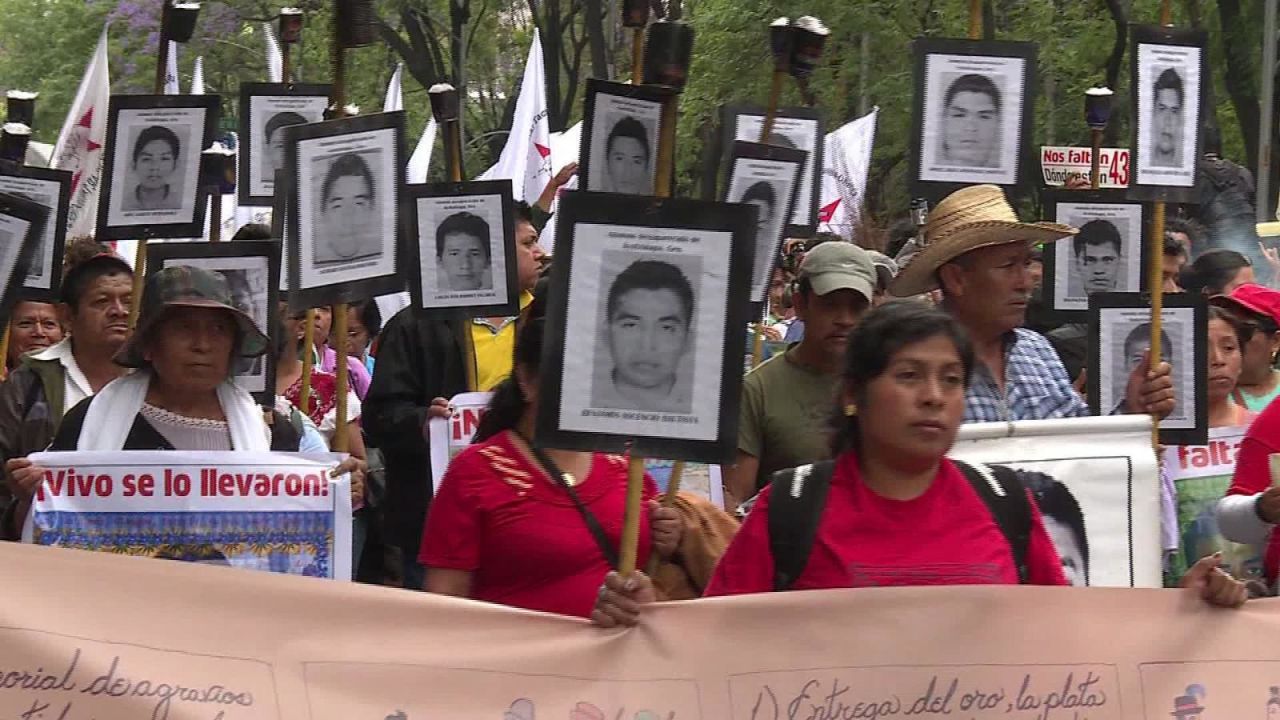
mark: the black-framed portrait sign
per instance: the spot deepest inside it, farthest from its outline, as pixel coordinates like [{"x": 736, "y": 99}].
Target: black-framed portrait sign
[
  {"x": 1167, "y": 66},
  {"x": 266, "y": 109},
  {"x": 972, "y": 113},
  {"x": 650, "y": 298},
  {"x": 1105, "y": 256},
  {"x": 342, "y": 219},
  {"x": 620, "y": 130},
  {"x": 1120, "y": 334},
  {"x": 279, "y": 206},
  {"x": 151, "y": 171},
  {"x": 22, "y": 222},
  {"x": 795, "y": 128},
  {"x": 51, "y": 188},
  {"x": 767, "y": 176},
  {"x": 463, "y": 247},
  {"x": 252, "y": 271}
]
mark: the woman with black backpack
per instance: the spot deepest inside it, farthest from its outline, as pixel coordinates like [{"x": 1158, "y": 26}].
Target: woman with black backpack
[{"x": 891, "y": 509}]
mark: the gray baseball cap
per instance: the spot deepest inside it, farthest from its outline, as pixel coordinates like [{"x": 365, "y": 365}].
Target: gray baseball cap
[
  {"x": 835, "y": 266},
  {"x": 886, "y": 268}
]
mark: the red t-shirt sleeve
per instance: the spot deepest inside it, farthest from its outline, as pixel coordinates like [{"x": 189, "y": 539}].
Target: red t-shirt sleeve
[
  {"x": 451, "y": 534},
  {"x": 1044, "y": 565},
  {"x": 1253, "y": 468},
  {"x": 747, "y": 565}
]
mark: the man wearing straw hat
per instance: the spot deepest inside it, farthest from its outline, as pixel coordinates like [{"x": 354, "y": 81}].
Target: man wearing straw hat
[{"x": 979, "y": 254}]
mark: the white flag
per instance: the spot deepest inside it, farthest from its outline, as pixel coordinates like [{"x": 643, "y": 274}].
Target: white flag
[
  {"x": 79, "y": 147},
  {"x": 171, "y": 71},
  {"x": 846, "y": 160},
  {"x": 420, "y": 160},
  {"x": 275, "y": 60},
  {"x": 526, "y": 158},
  {"x": 197, "y": 77},
  {"x": 395, "y": 94}
]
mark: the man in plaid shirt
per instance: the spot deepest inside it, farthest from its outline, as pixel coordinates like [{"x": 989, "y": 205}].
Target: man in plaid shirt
[{"x": 978, "y": 253}]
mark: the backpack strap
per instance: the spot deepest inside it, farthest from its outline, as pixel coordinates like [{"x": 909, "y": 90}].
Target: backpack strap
[
  {"x": 796, "y": 500},
  {"x": 1004, "y": 495}
]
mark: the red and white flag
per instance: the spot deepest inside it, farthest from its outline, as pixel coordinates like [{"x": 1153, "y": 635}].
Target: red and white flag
[
  {"x": 846, "y": 161},
  {"x": 526, "y": 158},
  {"x": 79, "y": 147}
]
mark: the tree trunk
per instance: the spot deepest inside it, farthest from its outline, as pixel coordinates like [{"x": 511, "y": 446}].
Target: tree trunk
[
  {"x": 1240, "y": 46},
  {"x": 459, "y": 15},
  {"x": 1120, "y": 19}
]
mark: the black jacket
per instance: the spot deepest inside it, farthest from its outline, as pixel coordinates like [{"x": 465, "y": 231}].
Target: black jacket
[{"x": 420, "y": 357}]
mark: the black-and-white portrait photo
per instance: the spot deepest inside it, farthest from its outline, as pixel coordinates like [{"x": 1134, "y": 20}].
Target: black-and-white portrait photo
[
  {"x": 248, "y": 268},
  {"x": 17, "y": 236},
  {"x": 769, "y": 185},
  {"x": 623, "y": 144},
  {"x": 646, "y": 306},
  {"x": 1123, "y": 341},
  {"x": 799, "y": 134},
  {"x": 1105, "y": 256},
  {"x": 342, "y": 223},
  {"x": 1168, "y": 87},
  {"x": 266, "y": 110},
  {"x": 153, "y": 165},
  {"x": 648, "y": 322},
  {"x": 972, "y": 118},
  {"x": 51, "y": 189},
  {"x": 464, "y": 246},
  {"x": 645, "y": 357}
]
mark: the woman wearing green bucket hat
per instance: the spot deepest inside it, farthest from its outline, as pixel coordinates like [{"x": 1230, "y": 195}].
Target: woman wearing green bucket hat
[{"x": 182, "y": 395}]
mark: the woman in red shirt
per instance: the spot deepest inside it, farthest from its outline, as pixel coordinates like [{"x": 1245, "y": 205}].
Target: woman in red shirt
[
  {"x": 536, "y": 529},
  {"x": 898, "y": 512}
]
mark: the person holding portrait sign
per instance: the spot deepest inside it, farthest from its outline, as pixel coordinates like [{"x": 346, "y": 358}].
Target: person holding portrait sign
[{"x": 978, "y": 253}]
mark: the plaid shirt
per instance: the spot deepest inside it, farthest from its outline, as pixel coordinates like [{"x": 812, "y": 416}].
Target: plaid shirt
[{"x": 1036, "y": 386}]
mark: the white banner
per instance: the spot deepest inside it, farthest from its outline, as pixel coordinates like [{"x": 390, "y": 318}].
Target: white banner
[
  {"x": 1106, "y": 524},
  {"x": 79, "y": 148},
  {"x": 846, "y": 161},
  {"x": 1060, "y": 164},
  {"x": 265, "y": 511}
]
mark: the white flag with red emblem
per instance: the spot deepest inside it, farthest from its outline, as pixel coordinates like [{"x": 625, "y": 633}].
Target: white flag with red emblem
[
  {"x": 79, "y": 147},
  {"x": 526, "y": 158},
  {"x": 846, "y": 161}
]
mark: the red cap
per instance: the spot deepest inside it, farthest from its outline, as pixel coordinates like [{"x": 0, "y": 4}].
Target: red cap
[{"x": 1255, "y": 299}]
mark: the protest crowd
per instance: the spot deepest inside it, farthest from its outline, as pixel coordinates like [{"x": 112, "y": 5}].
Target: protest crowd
[{"x": 866, "y": 353}]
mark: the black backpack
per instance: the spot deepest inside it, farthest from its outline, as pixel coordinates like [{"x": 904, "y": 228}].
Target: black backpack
[{"x": 799, "y": 495}]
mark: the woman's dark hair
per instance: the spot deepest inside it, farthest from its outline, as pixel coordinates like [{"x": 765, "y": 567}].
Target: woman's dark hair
[
  {"x": 508, "y": 404},
  {"x": 153, "y": 133},
  {"x": 370, "y": 317},
  {"x": 1244, "y": 332},
  {"x": 872, "y": 345},
  {"x": 253, "y": 231},
  {"x": 1211, "y": 272}
]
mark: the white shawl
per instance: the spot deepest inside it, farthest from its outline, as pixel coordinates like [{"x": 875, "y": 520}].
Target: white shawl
[{"x": 110, "y": 415}]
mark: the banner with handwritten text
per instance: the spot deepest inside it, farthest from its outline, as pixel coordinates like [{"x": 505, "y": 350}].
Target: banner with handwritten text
[
  {"x": 90, "y": 635},
  {"x": 279, "y": 512}
]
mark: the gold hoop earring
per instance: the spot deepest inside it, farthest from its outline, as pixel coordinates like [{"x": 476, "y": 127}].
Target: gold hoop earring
[{"x": 851, "y": 410}]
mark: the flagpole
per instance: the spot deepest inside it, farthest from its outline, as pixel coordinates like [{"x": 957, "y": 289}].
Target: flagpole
[
  {"x": 284, "y": 42},
  {"x": 338, "y": 317}
]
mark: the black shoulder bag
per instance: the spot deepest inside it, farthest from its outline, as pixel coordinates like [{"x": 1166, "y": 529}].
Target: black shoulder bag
[{"x": 597, "y": 531}]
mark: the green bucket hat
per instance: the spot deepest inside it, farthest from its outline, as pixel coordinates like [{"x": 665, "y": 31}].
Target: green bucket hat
[{"x": 184, "y": 286}]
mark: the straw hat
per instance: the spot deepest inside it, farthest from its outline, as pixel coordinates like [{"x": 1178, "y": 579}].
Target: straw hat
[{"x": 968, "y": 219}]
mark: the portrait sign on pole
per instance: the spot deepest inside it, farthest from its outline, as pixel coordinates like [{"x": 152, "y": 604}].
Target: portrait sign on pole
[
  {"x": 1167, "y": 70},
  {"x": 650, "y": 298},
  {"x": 1105, "y": 256}
]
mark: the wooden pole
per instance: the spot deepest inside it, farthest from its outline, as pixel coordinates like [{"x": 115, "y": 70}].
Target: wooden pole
[
  {"x": 771, "y": 110},
  {"x": 453, "y": 159},
  {"x": 631, "y": 516},
  {"x": 140, "y": 253},
  {"x": 4, "y": 350},
  {"x": 286, "y": 63},
  {"x": 339, "y": 331},
  {"x": 215, "y": 214},
  {"x": 308, "y": 359},
  {"x": 1095, "y": 159},
  {"x": 975, "y": 19},
  {"x": 1155, "y": 263},
  {"x": 637, "y": 56}
]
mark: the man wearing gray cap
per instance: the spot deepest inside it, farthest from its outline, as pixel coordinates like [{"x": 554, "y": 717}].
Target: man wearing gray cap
[{"x": 786, "y": 401}]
